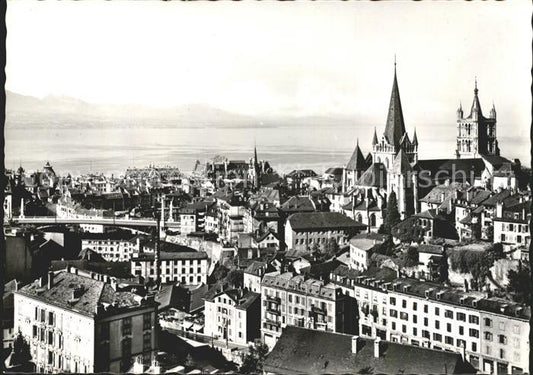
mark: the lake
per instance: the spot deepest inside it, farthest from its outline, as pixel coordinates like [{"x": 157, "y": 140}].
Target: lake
[{"x": 112, "y": 150}]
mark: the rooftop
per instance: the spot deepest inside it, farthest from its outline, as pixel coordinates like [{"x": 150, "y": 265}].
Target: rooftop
[
  {"x": 322, "y": 220},
  {"x": 300, "y": 284},
  {"x": 82, "y": 292},
  {"x": 301, "y": 350}
]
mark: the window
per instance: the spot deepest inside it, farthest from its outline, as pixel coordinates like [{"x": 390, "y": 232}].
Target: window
[
  {"x": 448, "y": 340},
  {"x": 415, "y": 332},
  {"x": 516, "y": 342},
  {"x": 425, "y": 334},
  {"x": 516, "y": 329},
  {"x": 461, "y": 330},
  {"x": 51, "y": 318},
  {"x": 473, "y": 319},
  {"x": 448, "y": 327},
  {"x": 488, "y": 322},
  {"x": 393, "y": 301},
  {"x": 404, "y": 304},
  {"x": 461, "y": 317},
  {"x": 415, "y": 319},
  {"x": 502, "y": 326},
  {"x": 461, "y": 343},
  {"x": 393, "y": 325},
  {"x": 426, "y": 309},
  {"x": 448, "y": 314},
  {"x": 404, "y": 316},
  {"x": 487, "y": 349},
  {"x": 473, "y": 332},
  {"x": 404, "y": 328},
  {"x": 488, "y": 336},
  {"x": 35, "y": 334},
  {"x": 502, "y": 339},
  {"x": 437, "y": 324},
  {"x": 437, "y": 337},
  {"x": 147, "y": 341},
  {"x": 426, "y": 322},
  {"x": 50, "y": 357},
  {"x": 414, "y": 306},
  {"x": 437, "y": 311},
  {"x": 393, "y": 313},
  {"x": 147, "y": 321},
  {"x": 50, "y": 338},
  {"x": 474, "y": 347},
  {"x": 126, "y": 326}
]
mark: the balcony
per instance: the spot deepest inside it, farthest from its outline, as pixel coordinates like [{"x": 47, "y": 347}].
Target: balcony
[
  {"x": 273, "y": 299},
  {"x": 272, "y": 310},
  {"x": 318, "y": 310}
]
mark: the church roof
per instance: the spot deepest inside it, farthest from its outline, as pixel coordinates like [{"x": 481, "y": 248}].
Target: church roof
[
  {"x": 401, "y": 163},
  {"x": 475, "y": 111},
  {"x": 374, "y": 176},
  {"x": 395, "y": 128},
  {"x": 357, "y": 161}
]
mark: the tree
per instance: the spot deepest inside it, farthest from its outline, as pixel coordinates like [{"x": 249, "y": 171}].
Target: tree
[
  {"x": 393, "y": 216},
  {"x": 520, "y": 284},
  {"x": 254, "y": 360},
  {"x": 331, "y": 247},
  {"x": 235, "y": 278},
  {"x": 411, "y": 258},
  {"x": 21, "y": 356},
  {"x": 219, "y": 273}
]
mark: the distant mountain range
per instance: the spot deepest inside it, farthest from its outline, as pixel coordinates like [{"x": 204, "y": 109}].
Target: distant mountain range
[{"x": 60, "y": 111}]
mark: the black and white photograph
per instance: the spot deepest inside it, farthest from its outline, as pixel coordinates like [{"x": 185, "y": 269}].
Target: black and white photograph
[{"x": 267, "y": 187}]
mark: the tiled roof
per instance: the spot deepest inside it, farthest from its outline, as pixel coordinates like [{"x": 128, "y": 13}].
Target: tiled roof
[
  {"x": 357, "y": 162},
  {"x": 287, "y": 281},
  {"x": 306, "y": 351},
  {"x": 92, "y": 293},
  {"x": 322, "y": 220},
  {"x": 299, "y": 204}
]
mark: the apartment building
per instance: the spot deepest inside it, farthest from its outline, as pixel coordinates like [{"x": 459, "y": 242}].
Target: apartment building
[
  {"x": 189, "y": 267},
  {"x": 193, "y": 216},
  {"x": 295, "y": 300},
  {"x": 429, "y": 315},
  {"x": 232, "y": 315},
  {"x": 305, "y": 230},
  {"x": 511, "y": 225},
  {"x": 80, "y": 322},
  {"x": 361, "y": 248},
  {"x": 114, "y": 246}
]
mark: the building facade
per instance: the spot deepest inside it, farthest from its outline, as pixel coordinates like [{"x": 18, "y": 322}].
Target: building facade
[
  {"x": 80, "y": 322},
  {"x": 190, "y": 268}
]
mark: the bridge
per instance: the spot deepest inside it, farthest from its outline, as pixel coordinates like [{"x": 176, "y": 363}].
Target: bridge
[{"x": 137, "y": 222}]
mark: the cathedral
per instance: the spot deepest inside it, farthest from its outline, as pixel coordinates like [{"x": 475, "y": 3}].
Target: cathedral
[{"x": 388, "y": 168}]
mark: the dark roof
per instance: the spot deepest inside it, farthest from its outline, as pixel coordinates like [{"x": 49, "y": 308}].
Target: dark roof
[
  {"x": 307, "y": 351},
  {"x": 357, "y": 162},
  {"x": 375, "y": 176},
  {"x": 300, "y": 173},
  {"x": 395, "y": 127},
  {"x": 496, "y": 160},
  {"x": 460, "y": 168},
  {"x": 322, "y": 220},
  {"x": 92, "y": 293},
  {"x": 243, "y": 299},
  {"x": 298, "y": 204},
  {"x": 168, "y": 247},
  {"x": 431, "y": 249}
]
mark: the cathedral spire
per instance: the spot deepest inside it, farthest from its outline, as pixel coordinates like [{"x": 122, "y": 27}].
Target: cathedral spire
[
  {"x": 395, "y": 128},
  {"x": 415, "y": 139},
  {"x": 375, "y": 139},
  {"x": 475, "y": 112}
]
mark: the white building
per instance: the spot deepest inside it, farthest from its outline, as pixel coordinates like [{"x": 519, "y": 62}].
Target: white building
[
  {"x": 190, "y": 268},
  {"x": 80, "y": 322},
  {"x": 113, "y": 247},
  {"x": 232, "y": 315},
  {"x": 362, "y": 247}
]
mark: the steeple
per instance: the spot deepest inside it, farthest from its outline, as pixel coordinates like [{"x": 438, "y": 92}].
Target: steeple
[
  {"x": 375, "y": 139},
  {"x": 475, "y": 112},
  {"x": 357, "y": 161},
  {"x": 257, "y": 171},
  {"x": 493, "y": 112},
  {"x": 415, "y": 139},
  {"x": 395, "y": 128},
  {"x": 460, "y": 111}
]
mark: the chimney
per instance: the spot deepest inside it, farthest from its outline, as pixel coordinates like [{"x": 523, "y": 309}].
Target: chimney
[
  {"x": 50, "y": 279},
  {"x": 42, "y": 281},
  {"x": 376, "y": 347},
  {"x": 355, "y": 344}
]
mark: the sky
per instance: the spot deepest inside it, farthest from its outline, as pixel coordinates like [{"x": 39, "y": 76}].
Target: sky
[{"x": 281, "y": 59}]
